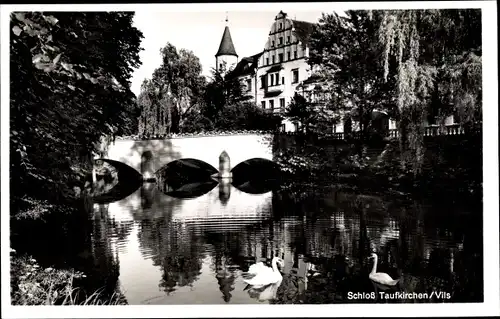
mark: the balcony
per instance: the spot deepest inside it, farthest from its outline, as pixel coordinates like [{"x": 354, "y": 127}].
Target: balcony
[
  {"x": 435, "y": 130},
  {"x": 276, "y": 88},
  {"x": 447, "y": 130}
]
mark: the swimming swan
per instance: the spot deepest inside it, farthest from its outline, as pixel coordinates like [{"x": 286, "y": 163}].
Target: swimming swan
[
  {"x": 265, "y": 293},
  {"x": 263, "y": 275},
  {"x": 380, "y": 277}
]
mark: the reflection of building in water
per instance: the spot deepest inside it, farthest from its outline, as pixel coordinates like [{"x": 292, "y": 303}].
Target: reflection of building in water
[{"x": 225, "y": 277}]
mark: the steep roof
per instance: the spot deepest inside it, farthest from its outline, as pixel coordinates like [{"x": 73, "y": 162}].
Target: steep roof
[
  {"x": 246, "y": 65},
  {"x": 226, "y": 46},
  {"x": 303, "y": 30}
]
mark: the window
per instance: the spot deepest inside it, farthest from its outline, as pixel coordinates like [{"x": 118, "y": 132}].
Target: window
[
  {"x": 249, "y": 85},
  {"x": 262, "y": 81},
  {"x": 272, "y": 44},
  {"x": 288, "y": 39},
  {"x": 267, "y": 61},
  {"x": 280, "y": 56},
  {"x": 282, "y": 80},
  {"x": 295, "y": 54},
  {"x": 281, "y": 26},
  {"x": 263, "y": 104},
  {"x": 295, "y": 74},
  {"x": 281, "y": 40},
  {"x": 282, "y": 103},
  {"x": 271, "y": 80},
  {"x": 272, "y": 58},
  {"x": 271, "y": 104},
  {"x": 288, "y": 55},
  {"x": 277, "y": 78}
]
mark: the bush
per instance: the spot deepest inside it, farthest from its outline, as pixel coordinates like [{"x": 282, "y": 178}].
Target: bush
[{"x": 33, "y": 285}]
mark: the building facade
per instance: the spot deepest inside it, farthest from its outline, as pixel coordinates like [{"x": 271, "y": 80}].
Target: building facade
[{"x": 272, "y": 75}]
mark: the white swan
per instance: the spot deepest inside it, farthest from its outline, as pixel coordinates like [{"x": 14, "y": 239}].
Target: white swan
[
  {"x": 266, "y": 293},
  {"x": 263, "y": 275},
  {"x": 380, "y": 277},
  {"x": 255, "y": 268}
]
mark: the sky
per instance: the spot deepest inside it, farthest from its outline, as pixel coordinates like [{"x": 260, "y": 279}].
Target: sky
[{"x": 201, "y": 32}]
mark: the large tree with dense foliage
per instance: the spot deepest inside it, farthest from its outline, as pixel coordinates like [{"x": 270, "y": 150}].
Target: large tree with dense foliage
[
  {"x": 70, "y": 85},
  {"x": 299, "y": 110},
  {"x": 176, "y": 86},
  {"x": 345, "y": 52},
  {"x": 435, "y": 58},
  {"x": 246, "y": 116},
  {"x": 223, "y": 90}
]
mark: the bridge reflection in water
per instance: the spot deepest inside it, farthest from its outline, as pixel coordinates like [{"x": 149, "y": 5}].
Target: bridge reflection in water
[
  {"x": 180, "y": 232},
  {"x": 171, "y": 250}
]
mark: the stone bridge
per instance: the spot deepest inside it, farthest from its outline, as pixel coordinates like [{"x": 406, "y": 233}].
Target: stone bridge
[{"x": 221, "y": 151}]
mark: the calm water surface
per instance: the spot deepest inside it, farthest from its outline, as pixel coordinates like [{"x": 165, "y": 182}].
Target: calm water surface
[{"x": 170, "y": 250}]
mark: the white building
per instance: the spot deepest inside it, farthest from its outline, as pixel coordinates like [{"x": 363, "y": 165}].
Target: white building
[
  {"x": 272, "y": 75},
  {"x": 275, "y": 74}
]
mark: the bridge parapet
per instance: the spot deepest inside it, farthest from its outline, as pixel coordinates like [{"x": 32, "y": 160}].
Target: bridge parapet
[
  {"x": 148, "y": 154},
  {"x": 187, "y": 135}
]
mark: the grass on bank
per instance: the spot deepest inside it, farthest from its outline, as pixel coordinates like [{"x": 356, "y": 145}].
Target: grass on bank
[{"x": 34, "y": 285}]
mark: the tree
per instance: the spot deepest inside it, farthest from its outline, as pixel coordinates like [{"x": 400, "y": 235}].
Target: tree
[
  {"x": 176, "y": 87},
  {"x": 67, "y": 90},
  {"x": 435, "y": 58},
  {"x": 222, "y": 91},
  {"x": 246, "y": 116},
  {"x": 345, "y": 52},
  {"x": 301, "y": 111}
]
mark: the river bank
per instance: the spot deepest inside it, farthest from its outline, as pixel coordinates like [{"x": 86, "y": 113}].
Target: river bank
[
  {"x": 47, "y": 263},
  {"x": 451, "y": 168},
  {"x": 32, "y": 284}
]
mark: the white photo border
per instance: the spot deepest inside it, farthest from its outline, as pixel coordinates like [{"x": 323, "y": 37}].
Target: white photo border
[{"x": 491, "y": 304}]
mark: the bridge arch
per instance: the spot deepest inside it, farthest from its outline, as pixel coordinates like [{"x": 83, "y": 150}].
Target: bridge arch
[
  {"x": 128, "y": 180},
  {"x": 256, "y": 176},
  {"x": 186, "y": 170},
  {"x": 255, "y": 165},
  {"x": 124, "y": 170},
  {"x": 149, "y": 156}
]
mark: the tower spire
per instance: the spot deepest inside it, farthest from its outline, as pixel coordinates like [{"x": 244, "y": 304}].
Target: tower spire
[{"x": 227, "y": 19}]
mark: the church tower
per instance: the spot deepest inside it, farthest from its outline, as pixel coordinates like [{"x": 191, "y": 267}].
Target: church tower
[{"x": 226, "y": 53}]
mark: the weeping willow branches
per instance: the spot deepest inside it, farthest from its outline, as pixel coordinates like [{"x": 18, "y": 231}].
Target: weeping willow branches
[{"x": 431, "y": 50}]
